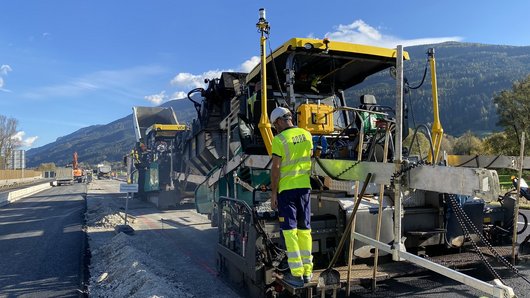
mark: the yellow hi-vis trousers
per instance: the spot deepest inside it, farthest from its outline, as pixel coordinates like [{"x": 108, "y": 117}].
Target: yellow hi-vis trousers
[{"x": 299, "y": 243}]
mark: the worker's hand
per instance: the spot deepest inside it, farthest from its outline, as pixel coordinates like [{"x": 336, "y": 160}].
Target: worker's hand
[{"x": 274, "y": 201}]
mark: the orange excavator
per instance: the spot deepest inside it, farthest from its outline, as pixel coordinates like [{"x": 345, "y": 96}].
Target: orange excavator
[{"x": 78, "y": 172}]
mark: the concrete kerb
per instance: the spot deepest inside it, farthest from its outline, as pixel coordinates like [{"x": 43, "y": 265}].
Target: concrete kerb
[
  {"x": 12, "y": 196},
  {"x": 10, "y": 182}
]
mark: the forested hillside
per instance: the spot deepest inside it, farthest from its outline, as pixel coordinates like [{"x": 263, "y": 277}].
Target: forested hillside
[
  {"x": 469, "y": 77},
  {"x": 98, "y": 143}
]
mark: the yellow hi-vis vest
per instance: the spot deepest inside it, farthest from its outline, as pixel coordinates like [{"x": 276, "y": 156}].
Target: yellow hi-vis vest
[{"x": 294, "y": 146}]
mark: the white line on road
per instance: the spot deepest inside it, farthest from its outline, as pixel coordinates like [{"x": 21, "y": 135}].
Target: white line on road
[{"x": 22, "y": 235}]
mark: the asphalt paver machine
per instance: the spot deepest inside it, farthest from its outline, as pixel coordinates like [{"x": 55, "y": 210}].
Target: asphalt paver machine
[{"x": 414, "y": 210}]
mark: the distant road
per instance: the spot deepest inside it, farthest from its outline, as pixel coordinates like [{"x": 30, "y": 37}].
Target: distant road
[{"x": 41, "y": 243}]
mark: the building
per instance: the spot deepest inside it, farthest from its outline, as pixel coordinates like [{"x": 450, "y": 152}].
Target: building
[{"x": 16, "y": 160}]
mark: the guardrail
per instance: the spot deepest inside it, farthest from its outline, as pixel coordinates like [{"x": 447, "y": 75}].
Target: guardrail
[
  {"x": 13, "y": 182},
  {"x": 12, "y": 196}
]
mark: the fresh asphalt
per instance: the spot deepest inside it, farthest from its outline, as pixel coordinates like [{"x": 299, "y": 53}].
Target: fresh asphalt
[
  {"x": 42, "y": 243},
  {"x": 433, "y": 285}
]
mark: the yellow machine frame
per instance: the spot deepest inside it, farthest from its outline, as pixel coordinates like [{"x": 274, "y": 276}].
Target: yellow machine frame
[
  {"x": 168, "y": 130},
  {"x": 296, "y": 44},
  {"x": 437, "y": 130}
]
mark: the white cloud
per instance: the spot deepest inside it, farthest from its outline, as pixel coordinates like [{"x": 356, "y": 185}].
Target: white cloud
[
  {"x": 29, "y": 141},
  {"x": 157, "y": 99},
  {"x": 4, "y": 69},
  {"x": 24, "y": 142},
  {"x": 361, "y": 33},
  {"x": 179, "y": 95},
  {"x": 190, "y": 81},
  {"x": 248, "y": 65},
  {"x": 186, "y": 81}
]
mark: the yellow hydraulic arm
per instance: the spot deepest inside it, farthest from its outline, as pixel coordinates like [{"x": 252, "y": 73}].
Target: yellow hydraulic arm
[
  {"x": 264, "y": 123},
  {"x": 437, "y": 130}
]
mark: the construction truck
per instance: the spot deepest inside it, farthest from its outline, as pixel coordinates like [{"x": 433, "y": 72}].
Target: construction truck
[
  {"x": 63, "y": 176},
  {"x": 374, "y": 205},
  {"x": 79, "y": 175},
  {"x": 103, "y": 171},
  {"x": 156, "y": 129}
]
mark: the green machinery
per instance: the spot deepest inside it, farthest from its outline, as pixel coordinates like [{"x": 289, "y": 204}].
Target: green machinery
[{"x": 156, "y": 130}]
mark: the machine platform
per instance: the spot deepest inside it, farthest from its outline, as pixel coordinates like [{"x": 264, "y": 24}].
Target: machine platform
[{"x": 362, "y": 273}]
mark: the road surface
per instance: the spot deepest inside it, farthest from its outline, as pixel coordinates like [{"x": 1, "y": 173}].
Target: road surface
[{"x": 41, "y": 244}]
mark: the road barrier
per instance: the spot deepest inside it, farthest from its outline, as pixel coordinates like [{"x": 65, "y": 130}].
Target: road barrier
[
  {"x": 12, "y": 196},
  {"x": 18, "y": 174}
]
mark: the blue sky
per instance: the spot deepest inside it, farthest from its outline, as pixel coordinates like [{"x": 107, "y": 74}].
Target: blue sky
[{"x": 68, "y": 64}]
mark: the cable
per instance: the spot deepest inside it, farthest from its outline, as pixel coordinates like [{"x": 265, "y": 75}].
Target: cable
[
  {"x": 275, "y": 71},
  {"x": 411, "y": 109},
  {"x": 468, "y": 161},
  {"x": 414, "y": 88},
  {"x": 429, "y": 138},
  {"x": 422, "y": 79},
  {"x": 477, "y": 160},
  {"x": 495, "y": 159}
]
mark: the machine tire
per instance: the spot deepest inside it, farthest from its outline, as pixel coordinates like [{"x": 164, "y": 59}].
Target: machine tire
[{"x": 525, "y": 220}]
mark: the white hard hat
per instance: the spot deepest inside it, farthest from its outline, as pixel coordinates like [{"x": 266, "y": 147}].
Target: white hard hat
[{"x": 280, "y": 112}]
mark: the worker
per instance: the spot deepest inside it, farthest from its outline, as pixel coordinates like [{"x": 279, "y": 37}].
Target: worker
[{"x": 291, "y": 191}]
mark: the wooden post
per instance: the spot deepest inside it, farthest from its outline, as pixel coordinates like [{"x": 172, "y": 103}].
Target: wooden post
[
  {"x": 516, "y": 209},
  {"x": 380, "y": 212}
]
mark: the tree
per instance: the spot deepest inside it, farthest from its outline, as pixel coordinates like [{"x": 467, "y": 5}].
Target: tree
[
  {"x": 46, "y": 167},
  {"x": 513, "y": 109},
  {"x": 468, "y": 144},
  {"x": 500, "y": 144},
  {"x": 420, "y": 146},
  {"x": 448, "y": 144},
  {"x": 8, "y": 142}
]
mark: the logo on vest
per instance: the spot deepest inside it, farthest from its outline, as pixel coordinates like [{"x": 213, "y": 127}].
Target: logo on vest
[{"x": 299, "y": 139}]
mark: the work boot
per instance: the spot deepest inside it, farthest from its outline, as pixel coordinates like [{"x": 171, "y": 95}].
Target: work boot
[
  {"x": 308, "y": 278},
  {"x": 294, "y": 281}
]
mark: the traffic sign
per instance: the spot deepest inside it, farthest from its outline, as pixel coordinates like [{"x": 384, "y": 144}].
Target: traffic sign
[{"x": 124, "y": 187}]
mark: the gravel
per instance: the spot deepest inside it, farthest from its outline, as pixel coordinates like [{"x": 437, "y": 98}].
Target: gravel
[{"x": 170, "y": 253}]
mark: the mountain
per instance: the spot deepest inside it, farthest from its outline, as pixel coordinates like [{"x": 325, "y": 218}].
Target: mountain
[
  {"x": 469, "y": 76},
  {"x": 98, "y": 143}
]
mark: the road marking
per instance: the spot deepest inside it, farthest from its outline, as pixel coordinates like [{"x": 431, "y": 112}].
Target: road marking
[
  {"x": 73, "y": 228},
  {"x": 22, "y": 235}
]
